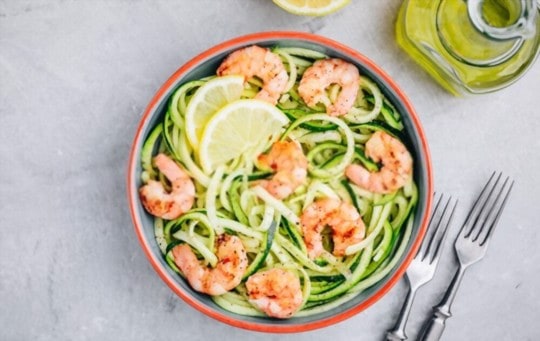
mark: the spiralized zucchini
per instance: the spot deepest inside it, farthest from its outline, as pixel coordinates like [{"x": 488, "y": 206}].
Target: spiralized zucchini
[{"x": 229, "y": 200}]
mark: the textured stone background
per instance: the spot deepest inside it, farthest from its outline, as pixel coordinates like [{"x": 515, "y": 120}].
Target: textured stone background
[{"x": 75, "y": 77}]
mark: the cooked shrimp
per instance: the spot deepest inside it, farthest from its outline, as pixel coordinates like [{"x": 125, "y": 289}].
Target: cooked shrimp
[
  {"x": 288, "y": 161},
  {"x": 171, "y": 205},
  {"x": 322, "y": 74},
  {"x": 277, "y": 292},
  {"x": 232, "y": 263},
  {"x": 396, "y": 162},
  {"x": 344, "y": 220},
  {"x": 261, "y": 62}
]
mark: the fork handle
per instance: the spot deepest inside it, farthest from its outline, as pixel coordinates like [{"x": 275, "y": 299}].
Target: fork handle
[
  {"x": 398, "y": 333},
  {"x": 435, "y": 326}
]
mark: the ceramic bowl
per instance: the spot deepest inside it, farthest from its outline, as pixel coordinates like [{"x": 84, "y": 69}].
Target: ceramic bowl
[{"x": 205, "y": 64}]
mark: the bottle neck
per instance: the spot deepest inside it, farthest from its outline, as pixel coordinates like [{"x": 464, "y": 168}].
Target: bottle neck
[
  {"x": 486, "y": 33},
  {"x": 524, "y": 26}
]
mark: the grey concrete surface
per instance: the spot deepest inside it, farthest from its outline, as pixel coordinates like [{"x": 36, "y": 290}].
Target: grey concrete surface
[{"x": 75, "y": 77}]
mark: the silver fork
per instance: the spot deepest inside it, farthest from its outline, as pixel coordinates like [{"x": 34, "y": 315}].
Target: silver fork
[
  {"x": 423, "y": 266},
  {"x": 471, "y": 245}
]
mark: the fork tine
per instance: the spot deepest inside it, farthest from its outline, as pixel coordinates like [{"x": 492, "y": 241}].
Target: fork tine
[
  {"x": 479, "y": 223},
  {"x": 491, "y": 202},
  {"x": 436, "y": 227},
  {"x": 466, "y": 229},
  {"x": 446, "y": 219},
  {"x": 495, "y": 213},
  {"x": 429, "y": 234}
]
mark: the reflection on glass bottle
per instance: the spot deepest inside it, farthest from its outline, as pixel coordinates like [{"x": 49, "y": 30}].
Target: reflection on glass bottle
[{"x": 473, "y": 46}]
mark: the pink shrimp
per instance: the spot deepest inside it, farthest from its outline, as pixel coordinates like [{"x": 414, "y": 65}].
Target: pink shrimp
[
  {"x": 345, "y": 221},
  {"x": 258, "y": 61},
  {"x": 168, "y": 205},
  {"x": 232, "y": 263},
  {"x": 322, "y": 74},
  {"x": 395, "y": 158},
  {"x": 288, "y": 161},
  {"x": 277, "y": 292}
]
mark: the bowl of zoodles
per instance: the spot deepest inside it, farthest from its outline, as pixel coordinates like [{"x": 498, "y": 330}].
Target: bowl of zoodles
[{"x": 280, "y": 182}]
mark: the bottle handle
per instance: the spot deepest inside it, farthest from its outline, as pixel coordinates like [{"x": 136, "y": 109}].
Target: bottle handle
[{"x": 524, "y": 27}]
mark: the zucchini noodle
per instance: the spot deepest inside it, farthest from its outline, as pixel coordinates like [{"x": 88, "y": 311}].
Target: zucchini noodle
[
  {"x": 360, "y": 115},
  {"x": 277, "y": 205},
  {"x": 231, "y": 199},
  {"x": 211, "y": 196}
]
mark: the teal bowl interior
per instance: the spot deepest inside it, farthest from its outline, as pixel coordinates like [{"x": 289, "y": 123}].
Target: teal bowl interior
[{"x": 206, "y": 65}]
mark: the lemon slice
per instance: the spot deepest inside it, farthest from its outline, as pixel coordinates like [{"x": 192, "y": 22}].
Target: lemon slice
[
  {"x": 208, "y": 99},
  {"x": 238, "y": 128},
  {"x": 311, "y": 7}
]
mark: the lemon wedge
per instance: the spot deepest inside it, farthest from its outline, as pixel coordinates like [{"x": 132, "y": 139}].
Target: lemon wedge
[
  {"x": 311, "y": 7},
  {"x": 207, "y": 100},
  {"x": 237, "y": 128}
]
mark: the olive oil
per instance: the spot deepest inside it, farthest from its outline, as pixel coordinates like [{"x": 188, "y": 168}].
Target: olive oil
[{"x": 441, "y": 37}]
